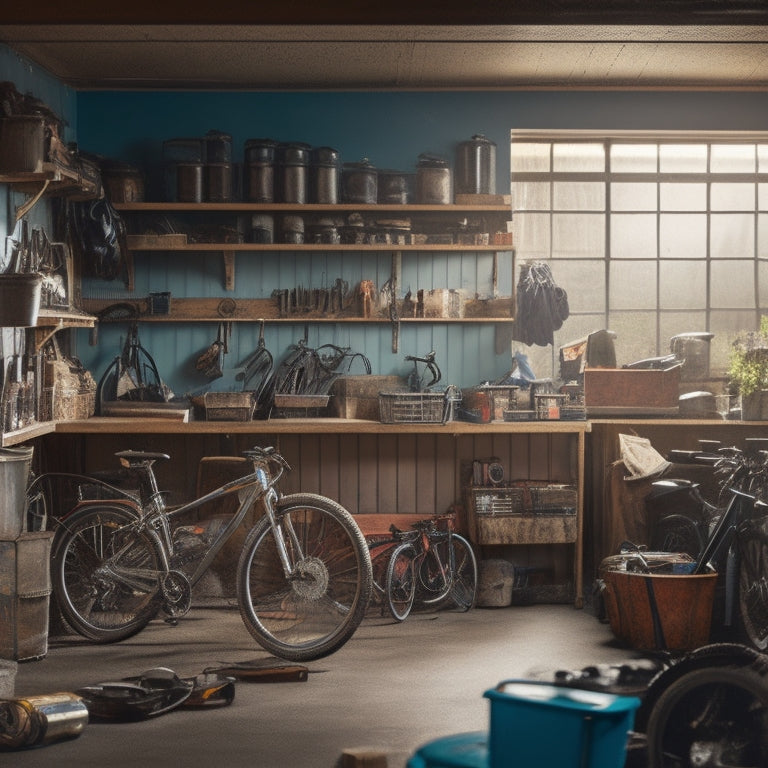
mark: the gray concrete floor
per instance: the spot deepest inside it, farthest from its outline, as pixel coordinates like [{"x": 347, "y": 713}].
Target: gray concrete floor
[{"x": 392, "y": 687}]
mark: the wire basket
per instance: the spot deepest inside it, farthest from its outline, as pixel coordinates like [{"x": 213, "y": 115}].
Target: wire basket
[{"x": 412, "y": 407}]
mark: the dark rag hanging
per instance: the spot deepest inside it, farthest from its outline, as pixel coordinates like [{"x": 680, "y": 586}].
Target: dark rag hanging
[{"x": 542, "y": 306}]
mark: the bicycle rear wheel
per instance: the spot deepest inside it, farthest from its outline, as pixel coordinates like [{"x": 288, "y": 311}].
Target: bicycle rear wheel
[
  {"x": 400, "y": 582},
  {"x": 753, "y": 588},
  {"x": 313, "y": 611},
  {"x": 464, "y": 573},
  {"x": 105, "y": 573}
]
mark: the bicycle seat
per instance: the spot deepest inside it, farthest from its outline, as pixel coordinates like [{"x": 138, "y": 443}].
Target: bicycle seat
[{"x": 137, "y": 458}]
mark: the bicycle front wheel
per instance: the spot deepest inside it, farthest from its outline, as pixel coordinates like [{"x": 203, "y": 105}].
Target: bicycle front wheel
[
  {"x": 400, "y": 583},
  {"x": 105, "y": 573},
  {"x": 464, "y": 573},
  {"x": 753, "y": 588},
  {"x": 313, "y": 610}
]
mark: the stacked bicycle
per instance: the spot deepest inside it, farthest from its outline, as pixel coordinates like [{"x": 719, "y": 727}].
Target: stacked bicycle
[
  {"x": 429, "y": 564},
  {"x": 729, "y": 534}
]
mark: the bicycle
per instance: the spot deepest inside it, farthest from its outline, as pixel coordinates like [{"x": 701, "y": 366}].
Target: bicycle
[
  {"x": 430, "y": 565},
  {"x": 303, "y": 577},
  {"x": 732, "y": 539}
]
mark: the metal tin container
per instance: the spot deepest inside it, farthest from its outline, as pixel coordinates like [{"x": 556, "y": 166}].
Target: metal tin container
[
  {"x": 189, "y": 182},
  {"x": 433, "y": 181},
  {"x": 292, "y": 179},
  {"x": 262, "y": 228},
  {"x": 23, "y": 144},
  {"x": 124, "y": 183},
  {"x": 394, "y": 187},
  {"x": 218, "y": 182},
  {"x": 259, "y": 174},
  {"x": 184, "y": 151},
  {"x": 475, "y": 166},
  {"x": 324, "y": 176},
  {"x": 359, "y": 183},
  {"x": 218, "y": 147},
  {"x": 292, "y": 230}
]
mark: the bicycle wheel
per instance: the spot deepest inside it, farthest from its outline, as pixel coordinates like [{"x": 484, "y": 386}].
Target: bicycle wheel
[
  {"x": 716, "y": 716},
  {"x": 464, "y": 573},
  {"x": 434, "y": 584},
  {"x": 753, "y": 588},
  {"x": 400, "y": 583},
  {"x": 677, "y": 533},
  {"x": 105, "y": 573},
  {"x": 315, "y": 609}
]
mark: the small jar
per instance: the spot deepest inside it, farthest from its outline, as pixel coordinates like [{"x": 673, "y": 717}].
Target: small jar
[
  {"x": 359, "y": 182},
  {"x": 394, "y": 187},
  {"x": 433, "y": 181},
  {"x": 260, "y": 170},
  {"x": 292, "y": 230},
  {"x": 293, "y": 161},
  {"x": 324, "y": 176},
  {"x": 262, "y": 228}
]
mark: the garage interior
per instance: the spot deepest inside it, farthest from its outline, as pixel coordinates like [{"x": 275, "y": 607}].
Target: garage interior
[{"x": 387, "y": 82}]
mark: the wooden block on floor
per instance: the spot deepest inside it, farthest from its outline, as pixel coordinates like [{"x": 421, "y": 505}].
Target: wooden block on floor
[{"x": 363, "y": 757}]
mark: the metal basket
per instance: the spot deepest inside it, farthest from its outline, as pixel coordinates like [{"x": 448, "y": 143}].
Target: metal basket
[{"x": 412, "y": 407}]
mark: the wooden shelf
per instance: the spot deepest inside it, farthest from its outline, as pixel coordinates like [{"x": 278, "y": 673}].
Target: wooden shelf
[{"x": 310, "y": 208}]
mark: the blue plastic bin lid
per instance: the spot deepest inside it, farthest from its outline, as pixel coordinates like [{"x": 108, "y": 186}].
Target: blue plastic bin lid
[
  {"x": 461, "y": 750},
  {"x": 549, "y": 695}
]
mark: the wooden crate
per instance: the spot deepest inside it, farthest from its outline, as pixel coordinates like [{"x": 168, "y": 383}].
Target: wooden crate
[{"x": 631, "y": 392}]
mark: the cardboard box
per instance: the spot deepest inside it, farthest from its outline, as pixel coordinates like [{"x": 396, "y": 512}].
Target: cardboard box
[
  {"x": 357, "y": 397},
  {"x": 631, "y": 392}
]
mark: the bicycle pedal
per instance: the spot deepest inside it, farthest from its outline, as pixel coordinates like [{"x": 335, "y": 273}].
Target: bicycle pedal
[{"x": 171, "y": 620}]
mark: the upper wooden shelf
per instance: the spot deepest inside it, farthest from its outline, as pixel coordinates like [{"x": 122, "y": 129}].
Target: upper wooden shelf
[{"x": 312, "y": 208}]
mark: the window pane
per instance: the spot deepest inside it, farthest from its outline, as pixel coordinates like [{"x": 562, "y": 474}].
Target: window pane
[
  {"x": 578, "y": 158},
  {"x": 683, "y": 197},
  {"x": 732, "y": 197},
  {"x": 635, "y": 335},
  {"x": 531, "y": 157},
  {"x": 632, "y": 284},
  {"x": 762, "y": 236},
  {"x": 633, "y": 158},
  {"x": 732, "y": 158},
  {"x": 732, "y": 236},
  {"x": 530, "y": 196},
  {"x": 762, "y": 158},
  {"x": 633, "y": 197},
  {"x": 633, "y": 236},
  {"x": 762, "y": 197},
  {"x": 578, "y": 235},
  {"x": 683, "y": 158},
  {"x": 732, "y": 284},
  {"x": 683, "y": 285},
  {"x": 683, "y": 236},
  {"x": 762, "y": 283},
  {"x": 531, "y": 235},
  {"x": 579, "y": 196},
  {"x": 584, "y": 282}
]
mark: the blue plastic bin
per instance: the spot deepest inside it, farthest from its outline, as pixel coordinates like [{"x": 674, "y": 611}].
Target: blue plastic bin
[
  {"x": 536, "y": 724},
  {"x": 462, "y": 750}
]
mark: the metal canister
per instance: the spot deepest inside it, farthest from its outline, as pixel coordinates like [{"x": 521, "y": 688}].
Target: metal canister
[
  {"x": 292, "y": 230},
  {"x": 433, "y": 181},
  {"x": 218, "y": 182},
  {"x": 475, "y": 167},
  {"x": 292, "y": 178},
  {"x": 123, "y": 182},
  {"x": 260, "y": 170},
  {"x": 262, "y": 228},
  {"x": 189, "y": 182},
  {"x": 218, "y": 147},
  {"x": 693, "y": 350},
  {"x": 394, "y": 187},
  {"x": 324, "y": 176},
  {"x": 359, "y": 182}
]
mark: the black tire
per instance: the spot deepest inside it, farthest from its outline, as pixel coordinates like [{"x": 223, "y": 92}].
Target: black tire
[
  {"x": 93, "y": 599},
  {"x": 753, "y": 588},
  {"x": 715, "y": 716},
  {"x": 677, "y": 533},
  {"x": 305, "y": 618},
  {"x": 434, "y": 584},
  {"x": 464, "y": 564},
  {"x": 400, "y": 582}
]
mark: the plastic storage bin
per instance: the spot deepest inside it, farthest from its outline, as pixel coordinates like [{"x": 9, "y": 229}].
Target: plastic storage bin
[
  {"x": 462, "y": 750},
  {"x": 536, "y": 724}
]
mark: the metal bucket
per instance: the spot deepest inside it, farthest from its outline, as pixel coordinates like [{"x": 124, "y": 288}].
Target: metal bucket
[
  {"x": 20, "y": 299},
  {"x": 15, "y": 464}
]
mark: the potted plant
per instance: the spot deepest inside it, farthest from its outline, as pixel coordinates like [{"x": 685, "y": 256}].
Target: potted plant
[{"x": 748, "y": 371}]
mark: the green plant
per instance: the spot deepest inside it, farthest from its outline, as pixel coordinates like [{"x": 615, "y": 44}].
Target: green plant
[{"x": 748, "y": 367}]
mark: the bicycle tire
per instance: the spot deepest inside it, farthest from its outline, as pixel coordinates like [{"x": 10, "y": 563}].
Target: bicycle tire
[
  {"x": 434, "y": 583},
  {"x": 677, "y": 533},
  {"x": 463, "y": 573},
  {"x": 711, "y": 716},
  {"x": 93, "y": 600},
  {"x": 305, "y": 618},
  {"x": 400, "y": 582},
  {"x": 753, "y": 588}
]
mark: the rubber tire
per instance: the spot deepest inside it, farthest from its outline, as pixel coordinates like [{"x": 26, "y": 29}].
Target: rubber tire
[
  {"x": 464, "y": 587},
  {"x": 676, "y": 533},
  {"x": 753, "y": 589},
  {"x": 74, "y": 588},
  {"x": 696, "y": 697},
  {"x": 400, "y": 582},
  {"x": 346, "y": 566}
]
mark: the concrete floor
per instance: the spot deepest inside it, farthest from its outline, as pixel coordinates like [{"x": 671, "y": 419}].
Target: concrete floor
[{"x": 392, "y": 687}]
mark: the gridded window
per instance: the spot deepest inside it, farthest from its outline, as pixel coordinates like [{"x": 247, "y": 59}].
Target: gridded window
[{"x": 651, "y": 234}]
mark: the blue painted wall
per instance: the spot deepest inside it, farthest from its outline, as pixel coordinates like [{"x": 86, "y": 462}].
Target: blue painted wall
[{"x": 389, "y": 128}]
